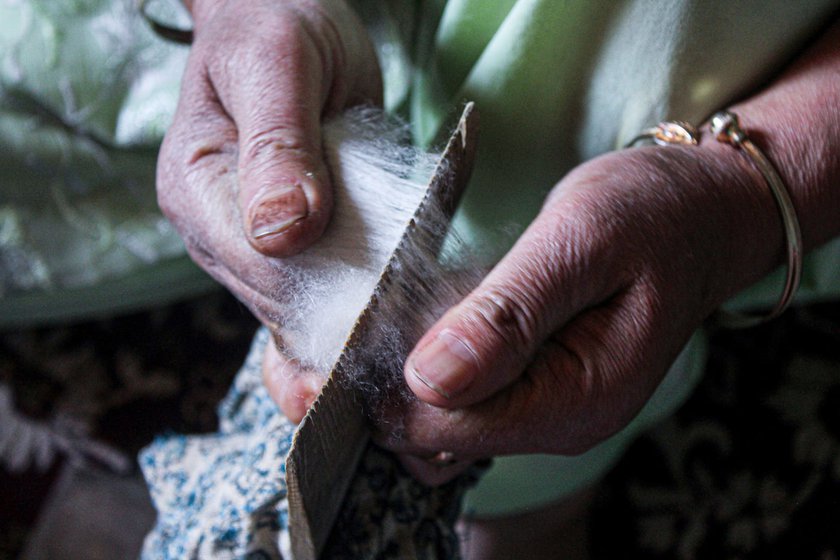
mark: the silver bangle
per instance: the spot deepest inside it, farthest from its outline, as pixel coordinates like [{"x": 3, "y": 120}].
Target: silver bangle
[{"x": 727, "y": 129}]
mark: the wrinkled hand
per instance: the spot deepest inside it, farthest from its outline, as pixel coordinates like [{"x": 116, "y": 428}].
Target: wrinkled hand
[
  {"x": 240, "y": 173},
  {"x": 569, "y": 335},
  {"x": 565, "y": 340}
]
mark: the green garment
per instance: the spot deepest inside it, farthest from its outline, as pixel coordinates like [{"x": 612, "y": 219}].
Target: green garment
[
  {"x": 560, "y": 82},
  {"x": 557, "y": 83},
  {"x": 86, "y": 93}
]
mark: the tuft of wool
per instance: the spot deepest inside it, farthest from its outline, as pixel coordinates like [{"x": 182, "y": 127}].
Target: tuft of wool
[{"x": 379, "y": 180}]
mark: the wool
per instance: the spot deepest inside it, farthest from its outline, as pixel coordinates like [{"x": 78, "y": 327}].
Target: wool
[{"x": 379, "y": 180}]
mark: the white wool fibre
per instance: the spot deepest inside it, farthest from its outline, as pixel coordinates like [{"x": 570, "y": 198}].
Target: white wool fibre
[{"x": 379, "y": 181}]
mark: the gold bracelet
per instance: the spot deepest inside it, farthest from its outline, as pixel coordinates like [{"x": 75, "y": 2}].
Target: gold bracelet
[{"x": 727, "y": 129}]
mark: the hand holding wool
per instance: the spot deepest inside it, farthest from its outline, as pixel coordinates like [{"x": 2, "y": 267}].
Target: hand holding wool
[
  {"x": 260, "y": 77},
  {"x": 241, "y": 172},
  {"x": 567, "y": 338}
]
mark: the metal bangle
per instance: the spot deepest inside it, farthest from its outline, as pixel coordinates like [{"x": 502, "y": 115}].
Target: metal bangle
[{"x": 727, "y": 129}]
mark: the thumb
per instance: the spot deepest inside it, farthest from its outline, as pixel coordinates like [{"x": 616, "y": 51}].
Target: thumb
[
  {"x": 277, "y": 67},
  {"x": 276, "y": 96},
  {"x": 485, "y": 342}
]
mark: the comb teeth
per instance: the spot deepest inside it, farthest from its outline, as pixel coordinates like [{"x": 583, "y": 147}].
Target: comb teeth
[{"x": 332, "y": 437}]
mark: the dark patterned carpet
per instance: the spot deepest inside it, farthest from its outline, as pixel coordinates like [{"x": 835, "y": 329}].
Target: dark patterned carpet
[{"x": 748, "y": 468}]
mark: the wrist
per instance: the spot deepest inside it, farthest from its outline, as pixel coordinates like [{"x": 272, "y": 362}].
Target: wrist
[{"x": 758, "y": 245}]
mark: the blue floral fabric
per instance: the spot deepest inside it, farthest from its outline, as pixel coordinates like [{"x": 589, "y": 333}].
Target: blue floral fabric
[
  {"x": 388, "y": 514},
  {"x": 224, "y": 495}
]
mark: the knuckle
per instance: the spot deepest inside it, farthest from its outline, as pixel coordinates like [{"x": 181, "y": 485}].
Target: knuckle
[
  {"x": 580, "y": 409},
  {"x": 172, "y": 201},
  {"x": 205, "y": 147},
  {"x": 168, "y": 201},
  {"x": 276, "y": 142},
  {"x": 602, "y": 393},
  {"x": 165, "y": 201},
  {"x": 170, "y": 178},
  {"x": 510, "y": 316},
  {"x": 199, "y": 253}
]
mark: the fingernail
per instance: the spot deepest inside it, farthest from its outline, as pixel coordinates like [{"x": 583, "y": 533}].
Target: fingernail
[
  {"x": 446, "y": 366},
  {"x": 277, "y": 210}
]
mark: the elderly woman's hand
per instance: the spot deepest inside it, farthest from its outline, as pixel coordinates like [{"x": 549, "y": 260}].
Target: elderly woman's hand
[
  {"x": 241, "y": 174},
  {"x": 566, "y": 339},
  {"x": 569, "y": 335}
]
